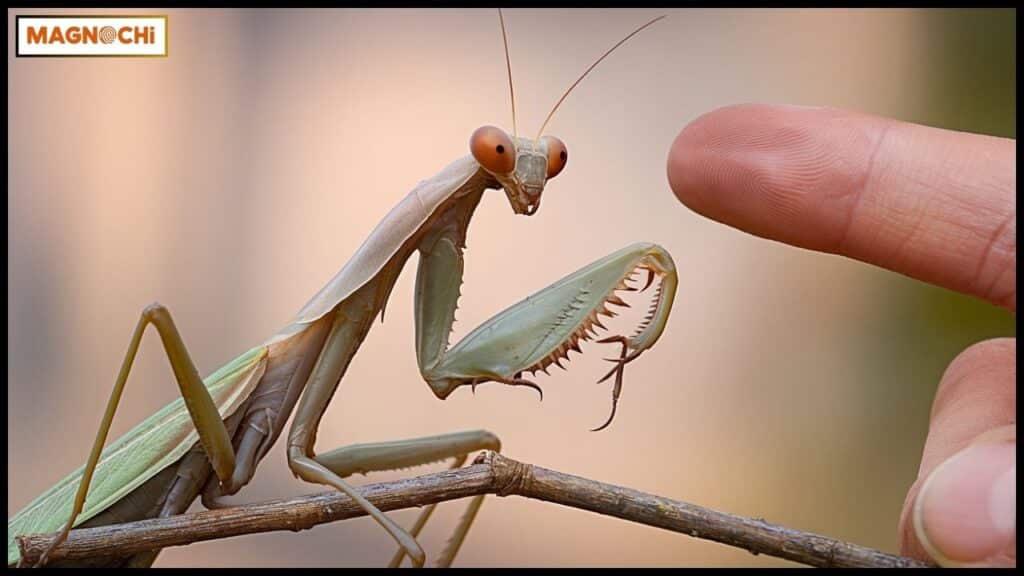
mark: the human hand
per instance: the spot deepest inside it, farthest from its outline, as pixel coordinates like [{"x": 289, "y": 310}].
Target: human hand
[{"x": 936, "y": 205}]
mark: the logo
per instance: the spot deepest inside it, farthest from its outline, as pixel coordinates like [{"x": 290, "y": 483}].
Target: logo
[{"x": 91, "y": 35}]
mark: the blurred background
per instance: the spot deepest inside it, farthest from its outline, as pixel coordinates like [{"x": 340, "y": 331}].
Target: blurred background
[{"x": 230, "y": 180}]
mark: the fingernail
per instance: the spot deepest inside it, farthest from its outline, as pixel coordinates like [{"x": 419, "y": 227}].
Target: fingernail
[{"x": 966, "y": 512}]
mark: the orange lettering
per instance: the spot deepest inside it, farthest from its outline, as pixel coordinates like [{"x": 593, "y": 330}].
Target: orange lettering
[{"x": 36, "y": 35}]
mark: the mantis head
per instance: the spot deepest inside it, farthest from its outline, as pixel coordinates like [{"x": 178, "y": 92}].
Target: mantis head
[{"x": 520, "y": 165}]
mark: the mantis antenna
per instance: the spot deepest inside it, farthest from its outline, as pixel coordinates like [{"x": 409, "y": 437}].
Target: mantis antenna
[
  {"x": 610, "y": 50},
  {"x": 508, "y": 66}
]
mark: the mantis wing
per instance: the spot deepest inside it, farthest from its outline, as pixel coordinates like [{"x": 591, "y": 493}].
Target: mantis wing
[
  {"x": 388, "y": 237},
  {"x": 137, "y": 456}
]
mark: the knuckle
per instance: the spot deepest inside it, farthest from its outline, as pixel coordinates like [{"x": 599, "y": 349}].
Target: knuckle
[
  {"x": 995, "y": 278},
  {"x": 983, "y": 353},
  {"x": 988, "y": 357}
]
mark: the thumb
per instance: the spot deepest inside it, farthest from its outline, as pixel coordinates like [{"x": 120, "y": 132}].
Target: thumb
[{"x": 962, "y": 509}]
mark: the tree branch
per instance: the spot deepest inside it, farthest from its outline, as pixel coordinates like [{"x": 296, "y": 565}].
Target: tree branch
[{"x": 491, "y": 473}]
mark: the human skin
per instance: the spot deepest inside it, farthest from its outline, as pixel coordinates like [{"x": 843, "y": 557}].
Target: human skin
[{"x": 936, "y": 205}]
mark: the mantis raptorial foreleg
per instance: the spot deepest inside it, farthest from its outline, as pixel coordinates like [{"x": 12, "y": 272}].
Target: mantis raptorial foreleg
[
  {"x": 541, "y": 329},
  {"x": 213, "y": 434},
  {"x": 393, "y": 455}
]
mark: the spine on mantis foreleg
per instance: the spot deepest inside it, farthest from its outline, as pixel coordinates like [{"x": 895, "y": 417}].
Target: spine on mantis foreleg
[{"x": 439, "y": 281}]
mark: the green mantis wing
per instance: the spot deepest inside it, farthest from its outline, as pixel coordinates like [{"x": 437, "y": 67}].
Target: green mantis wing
[{"x": 137, "y": 456}]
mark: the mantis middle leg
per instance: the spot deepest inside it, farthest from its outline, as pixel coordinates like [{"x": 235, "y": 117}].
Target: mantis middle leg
[
  {"x": 349, "y": 326},
  {"x": 331, "y": 467},
  {"x": 378, "y": 456}
]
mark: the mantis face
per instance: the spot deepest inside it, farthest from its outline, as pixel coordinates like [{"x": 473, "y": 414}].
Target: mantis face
[{"x": 522, "y": 166}]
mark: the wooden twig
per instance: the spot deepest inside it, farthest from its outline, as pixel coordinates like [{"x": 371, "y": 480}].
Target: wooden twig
[{"x": 491, "y": 473}]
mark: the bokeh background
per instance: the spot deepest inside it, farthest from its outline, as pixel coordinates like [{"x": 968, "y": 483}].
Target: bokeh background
[{"x": 230, "y": 180}]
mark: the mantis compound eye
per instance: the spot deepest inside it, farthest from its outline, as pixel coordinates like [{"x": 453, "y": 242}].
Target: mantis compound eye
[
  {"x": 493, "y": 149},
  {"x": 557, "y": 155}
]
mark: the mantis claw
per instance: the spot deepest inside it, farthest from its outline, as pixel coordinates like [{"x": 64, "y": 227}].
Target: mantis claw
[
  {"x": 527, "y": 383},
  {"x": 617, "y": 371},
  {"x": 613, "y": 371},
  {"x": 511, "y": 382},
  {"x": 610, "y": 418},
  {"x": 531, "y": 385}
]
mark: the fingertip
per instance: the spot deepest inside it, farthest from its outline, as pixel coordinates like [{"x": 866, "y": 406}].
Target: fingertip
[
  {"x": 681, "y": 161},
  {"x": 697, "y": 148},
  {"x": 781, "y": 172},
  {"x": 934, "y": 204},
  {"x": 676, "y": 167}
]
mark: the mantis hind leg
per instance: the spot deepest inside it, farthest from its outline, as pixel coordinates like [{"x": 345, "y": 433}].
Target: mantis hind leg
[
  {"x": 378, "y": 456},
  {"x": 213, "y": 434}
]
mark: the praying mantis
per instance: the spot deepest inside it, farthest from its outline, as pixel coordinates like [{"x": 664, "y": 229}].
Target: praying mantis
[{"x": 208, "y": 443}]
